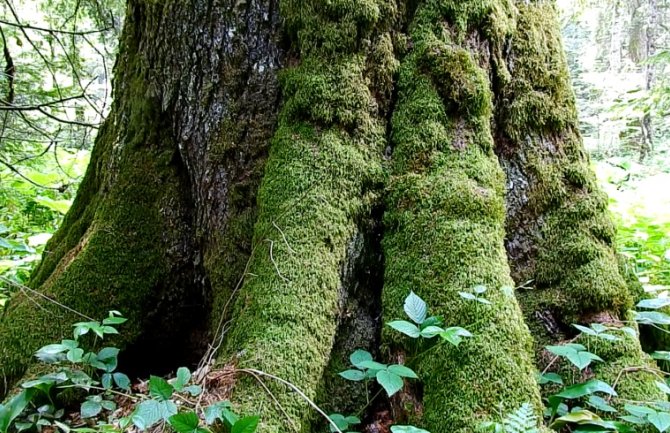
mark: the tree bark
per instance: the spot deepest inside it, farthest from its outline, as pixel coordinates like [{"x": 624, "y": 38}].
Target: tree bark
[{"x": 277, "y": 175}]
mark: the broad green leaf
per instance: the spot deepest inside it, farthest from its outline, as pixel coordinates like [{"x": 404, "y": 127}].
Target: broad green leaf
[
  {"x": 183, "y": 377},
  {"x": 654, "y": 303},
  {"x": 215, "y": 411},
  {"x": 577, "y": 417},
  {"x": 660, "y": 420},
  {"x": 651, "y": 318},
  {"x": 415, "y": 308},
  {"x": 339, "y": 420},
  {"x": 663, "y": 386},
  {"x": 600, "y": 404},
  {"x": 248, "y": 424},
  {"x": 662, "y": 355},
  {"x": 407, "y": 429},
  {"x": 550, "y": 378},
  {"x": 359, "y": 356},
  {"x": 585, "y": 330},
  {"x": 14, "y": 407},
  {"x": 431, "y": 331},
  {"x": 355, "y": 375},
  {"x": 405, "y": 327},
  {"x": 402, "y": 371},
  {"x": 159, "y": 388},
  {"x": 587, "y": 388},
  {"x": 122, "y": 381},
  {"x": 89, "y": 409},
  {"x": 193, "y": 390},
  {"x": 455, "y": 334},
  {"x": 372, "y": 365},
  {"x": 185, "y": 422},
  {"x": 391, "y": 382}
]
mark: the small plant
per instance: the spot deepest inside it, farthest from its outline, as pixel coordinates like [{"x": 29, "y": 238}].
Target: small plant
[{"x": 523, "y": 420}]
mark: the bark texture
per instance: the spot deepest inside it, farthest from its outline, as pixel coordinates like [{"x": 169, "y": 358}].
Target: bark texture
[{"x": 277, "y": 175}]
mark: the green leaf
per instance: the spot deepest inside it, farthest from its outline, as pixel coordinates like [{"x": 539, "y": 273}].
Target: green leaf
[
  {"x": 660, "y": 420},
  {"x": 248, "y": 424},
  {"x": 455, "y": 334},
  {"x": 600, "y": 404},
  {"x": 122, "y": 381},
  {"x": 215, "y": 411},
  {"x": 431, "y": 331},
  {"x": 14, "y": 407},
  {"x": 415, "y": 308},
  {"x": 391, "y": 382},
  {"x": 339, "y": 420},
  {"x": 585, "y": 330},
  {"x": 405, "y": 327},
  {"x": 372, "y": 365},
  {"x": 654, "y": 303},
  {"x": 550, "y": 378},
  {"x": 651, "y": 318},
  {"x": 587, "y": 388},
  {"x": 185, "y": 422},
  {"x": 468, "y": 296},
  {"x": 149, "y": 412},
  {"x": 662, "y": 355},
  {"x": 354, "y": 375},
  {"x": 576, "y": 417},
  {"x": 183, "y": 377},
  {"x": 193, "y": 390},
  {"x": 407, "y": 429},
  {"x": 89, "y": 409},
  {"x": 106, "y": 380},
  {"x": 75, "y": 355},
  {"x": 402, "y": 371},
  {"x": 576, "y": 354},
  {"x": 359, "y": 356},
  {"x": 663, "y": 386},
  {"x": 159, "y": 388}
]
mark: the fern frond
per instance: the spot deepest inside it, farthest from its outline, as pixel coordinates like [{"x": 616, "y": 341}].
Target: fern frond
[{"x": 523, "y": 420}]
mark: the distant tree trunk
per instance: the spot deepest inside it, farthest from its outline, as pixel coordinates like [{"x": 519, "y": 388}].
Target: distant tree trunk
[{"x": 277, "y": 175}]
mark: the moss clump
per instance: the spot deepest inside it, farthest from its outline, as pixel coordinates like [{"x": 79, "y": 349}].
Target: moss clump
[
  {"x": 445, "y": 224},
  {"x": 321, "y": 179}
]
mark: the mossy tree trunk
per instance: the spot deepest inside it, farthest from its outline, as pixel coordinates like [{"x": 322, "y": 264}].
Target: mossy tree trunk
[{"x": 277, "y": 175}]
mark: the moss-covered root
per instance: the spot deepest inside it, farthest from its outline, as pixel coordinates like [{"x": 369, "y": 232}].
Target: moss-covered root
[
  {"x": 124, "y": 234},
  {"x": 560, "y": 235},
  {"x": 323, "y": 168},
  {"x": 445, "y": 220}
]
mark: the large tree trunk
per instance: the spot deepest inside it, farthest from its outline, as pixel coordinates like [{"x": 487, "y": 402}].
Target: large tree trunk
[{"x": 236, "y": 211}]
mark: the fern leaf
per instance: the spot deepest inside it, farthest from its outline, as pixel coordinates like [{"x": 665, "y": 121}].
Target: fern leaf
[{"x": 523, "y": 420}]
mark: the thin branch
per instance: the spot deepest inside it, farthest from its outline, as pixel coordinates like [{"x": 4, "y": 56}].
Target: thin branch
[
  {"x": 26, "y": 178},
  {"x": 37, "y": 107},
  {"x": 54, "y": 31}
]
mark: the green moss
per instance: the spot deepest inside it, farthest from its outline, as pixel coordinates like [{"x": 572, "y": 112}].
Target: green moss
[
  {"x": 445, "y": 226},
  {"x": 320, "y": 181},
  {"x": 560, "y": 221}
]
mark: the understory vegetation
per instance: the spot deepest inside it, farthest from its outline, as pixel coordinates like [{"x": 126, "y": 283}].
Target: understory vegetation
[{"x": 55, "y": 94}]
